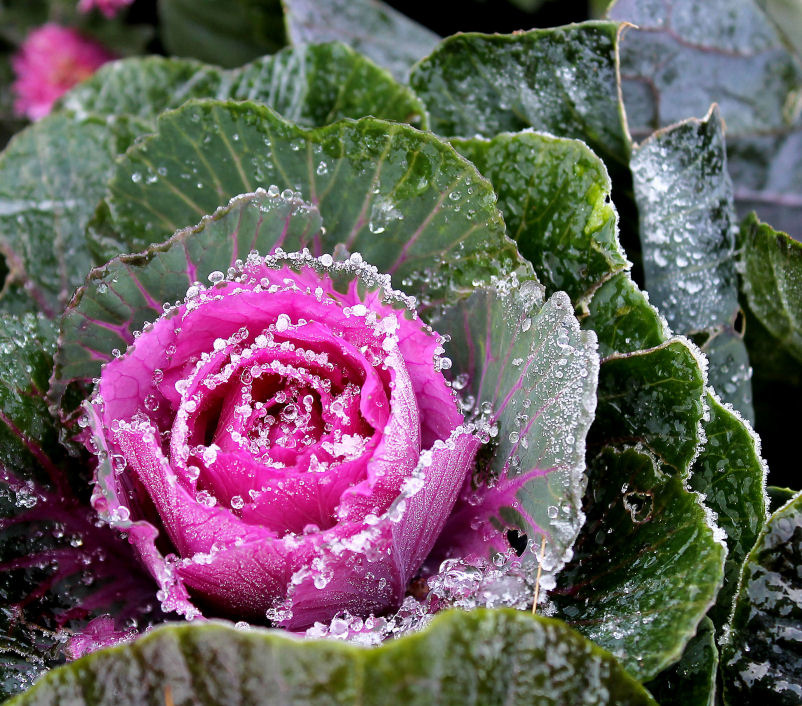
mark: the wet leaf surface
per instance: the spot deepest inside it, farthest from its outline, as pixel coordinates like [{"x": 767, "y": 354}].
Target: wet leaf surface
[
  {"x": 762, "y": 660},
  {"x": 483, "y": 657},
  {"x": 647, "y": 565}
]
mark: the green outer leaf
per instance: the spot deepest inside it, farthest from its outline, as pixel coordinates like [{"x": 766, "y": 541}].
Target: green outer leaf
[
  {"x": 561, "y": 80},
  {"x": 482, "y": 657},
  {"x": 228, "y": 34},
  {"x": 731, "y": 476},
  {"x": 310, "y": 85},
  {"x": 29, "y": 439},
  {"x": 655, "y": 397},
  {"x": 762, "y": 659},
  {"x": 51, "y": 177},
  {"x": 687, "y": 55},
  {"x": 621, "y": 315},
  {"x": 554, "y": 194},
  {"x": 687, "y": 234},
  {"x": 692, "y": 680},
  {"x": 120, "y": 297},
  {"x": 647, "y": 565},
  {"x": 687, "y": 228},
  {"x": 771, "y": 270},
  {"x": 371, "y": 27},
  {"x": 770, "y": 265},
  {"x": 530, "y": 361},
  {"x": 404, "y": 199}
]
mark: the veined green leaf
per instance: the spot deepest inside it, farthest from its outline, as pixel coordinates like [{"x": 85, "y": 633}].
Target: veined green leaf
[{"x": 480, "y": 658}]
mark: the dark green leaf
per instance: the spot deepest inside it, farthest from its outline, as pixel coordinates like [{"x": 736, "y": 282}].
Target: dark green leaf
[
  {"x": 762, "y": 659},
  {"x": 554, "y": 195},
  {"x": 771, "y": 280},
  {"x": 730, "y": 474},
  {"x": 692, "y": 680},
  {"x": 687, "y": 55},
  {"x": 771, "y": 270},
  {"x": 369, "y": 26},
  {"x": 621, "y": 315},
  {"x": 655, "y": 397},
  {"x": 562, "y": 81},
  {"x": 482, "y": 658},
  {"x": 687, "y": 234},
  {"x": 51, "y": 177},
  {"x": 404, "y": 199},
  {"x": 647, "y": 565},
  {"x": 228, "y": 34},
  {"x": 311, "y": 86},
  {"x": 528, "y": 359}
]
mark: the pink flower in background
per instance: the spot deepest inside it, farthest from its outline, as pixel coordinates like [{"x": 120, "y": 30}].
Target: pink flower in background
[
  {"x": 280, "y": 446},
  {"x": 108, "y": 7},
  {"x": 51, "y": 60}
]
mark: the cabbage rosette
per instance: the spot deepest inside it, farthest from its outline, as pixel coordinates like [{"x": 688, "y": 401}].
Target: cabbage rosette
[{"x": 296, "y": 443}]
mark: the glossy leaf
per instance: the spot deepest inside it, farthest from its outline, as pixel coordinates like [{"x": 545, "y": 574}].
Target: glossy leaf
[
  {"x": 653, "y": 396},
  {"x": 686, "y": 55},
  {"x": 51, "y": 177},
  {"x": 482, "y": 657},
  {"x": 623, "y": 318},
  {"x": 647, "y": 565},
  {"x": 405, "y": 200},
  {"x": 371, "y": 27},
  {"x": 762, "y": 659},
  {"x": 226, "y": 34},
  {"x": 561, "y": 80},
  {"x": 687, "y": 234},
  {"x": 309, "y": 85},
  {"x": 731, "y": 476},
  {"x": 692, "y": 680},
  {"x": 527, "y": 360},
  {"x": 554, "y": 195},
  {"x": 771, "y": 269}
]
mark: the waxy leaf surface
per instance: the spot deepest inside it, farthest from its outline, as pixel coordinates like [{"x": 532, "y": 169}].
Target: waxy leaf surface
[
  {"x": 480, "y": 658},
  {"x": 686, "y": 55},
  {"x": 309, "y": 85},
  {"x": 687, "y": 234},
  {"x": 692, "y": 680},
  {"x": 403, "y": 199},
  {"x": 762, "y": 659},
  {"x": 560, "y": 80},
  {"x": 647, "y": 565},
  {"x": 554, "y": 195},
  {"x": 528, "y": 361},
  {"x": 730, "y": 474}
]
